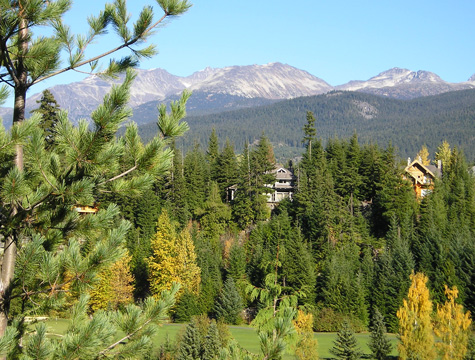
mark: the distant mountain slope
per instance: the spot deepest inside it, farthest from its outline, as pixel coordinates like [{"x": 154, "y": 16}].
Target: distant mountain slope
[
  {"x": 408, "y": 124},
  {"x": 235, "y": 87},
  {"x": 405, "y": 84},
  {"x": 273, "y": 81}
]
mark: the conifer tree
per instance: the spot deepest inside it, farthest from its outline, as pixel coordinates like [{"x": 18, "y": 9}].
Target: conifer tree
[
  {"x": 228, "y": 305},
  {"x": 44, "y": 187},
  {"x": 162, "y": 264},
  {"x": 190, "y": 344},
  {"x": 212, "y": 155},
  {"x": 379, "y": 343},
  {"x": 415, "y": 327},
  {"x": 211, "y": 344},
  {"x": 452, "y": 327},
  {"x": 227, "y": 170},
  {"x": 345, "y": 347},
  {"x": 49, "y": 111}
]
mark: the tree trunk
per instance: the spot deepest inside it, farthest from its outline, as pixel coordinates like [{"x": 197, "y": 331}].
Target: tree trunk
[{"x": 10, "y": 251}]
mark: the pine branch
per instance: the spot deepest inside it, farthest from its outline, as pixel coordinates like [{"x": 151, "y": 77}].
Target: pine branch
[
  {"x": 119, "y": 176},
  {"x": 95, "y": 58}
]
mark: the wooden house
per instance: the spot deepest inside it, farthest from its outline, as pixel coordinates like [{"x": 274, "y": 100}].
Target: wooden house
[
  {"x": 422, "y": 176},
  {"x": 283, "y": 188}
]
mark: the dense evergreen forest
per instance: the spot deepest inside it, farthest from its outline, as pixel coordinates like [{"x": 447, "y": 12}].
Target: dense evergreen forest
[
  {"x": 345, "y": 253},
  {"x": 405, "y": 123},
  {"x": 343, "y": 248}
]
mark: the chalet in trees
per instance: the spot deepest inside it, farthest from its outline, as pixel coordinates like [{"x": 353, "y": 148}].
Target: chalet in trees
[
  {"x": 422, "y": 176},
  {"x": 283, "y": 188}
]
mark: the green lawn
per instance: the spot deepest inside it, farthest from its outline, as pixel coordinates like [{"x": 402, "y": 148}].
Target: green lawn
[{"x": 245, "y": 336}]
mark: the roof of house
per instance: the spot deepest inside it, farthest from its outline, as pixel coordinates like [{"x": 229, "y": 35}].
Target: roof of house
[
  {"x": 431, "y": 170},
  {"x": 283, "y": 174}
]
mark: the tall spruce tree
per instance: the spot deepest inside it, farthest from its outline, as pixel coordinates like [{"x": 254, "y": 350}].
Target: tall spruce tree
[
  {"x": 379, "y": 342},
  {"x": 345, "y": 347},
  {"x": 49, "y": 110},
  {"x": 36, "y": 181},
  {"x": 228, "y": 305}
]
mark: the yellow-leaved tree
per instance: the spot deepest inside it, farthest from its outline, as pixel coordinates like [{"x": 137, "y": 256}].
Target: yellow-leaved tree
[
  {"x": 444, "y": 153},
  {"x": 452, "y": 327},
  {"x": 189, "y": 273},
  {"x": 306, "y": 347},
  {"x": 173, "y": 259},
  {"x": 423, "y": 155},
  {"x": 415, "y": 326},
  {"x": 115, "y": 286}
]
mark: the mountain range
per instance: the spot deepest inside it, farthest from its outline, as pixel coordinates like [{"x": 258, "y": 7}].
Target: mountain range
[{"x": 222, "y": 89}]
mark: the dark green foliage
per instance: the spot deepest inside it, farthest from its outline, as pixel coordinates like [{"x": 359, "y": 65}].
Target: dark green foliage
[
  {"x": 345, "y": 347},
  {"x": 190, "y": 344},
  {"x": 343, "y": 284},
  {"x": 379, "y": 343},
  {"x": 402, "y": 122},
  {"x": 210, "y": 262},
  {"x": 196, "y": 178},
  {"x": 391, "y": 281},
  {"x": 176, "y": 190},
  {"x": 278, "y": 241},
  {"x": 228, "y": 305},
  {"x": 211, "y": 344},
  {"x": 186, "y": 307},
  {"x": 49, "y": 111},
  {"x": 212, "y": 155},
  {"x": 226, "y": 173}
]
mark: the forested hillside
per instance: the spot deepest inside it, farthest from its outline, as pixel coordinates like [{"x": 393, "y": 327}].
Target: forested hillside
[
  {"x": 407, "y": 124},
  {"x": 345, "y": 246}
]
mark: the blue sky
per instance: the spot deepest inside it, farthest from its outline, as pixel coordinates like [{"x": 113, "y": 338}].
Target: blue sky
[{"x": 335, "y": 40}]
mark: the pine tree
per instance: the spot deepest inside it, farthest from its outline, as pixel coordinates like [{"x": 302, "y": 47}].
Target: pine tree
[
  {"x": 228, "y": 305},
  {"x": 345, "y": 347},
  {"x": 190, "y": 344},
  {"x": 49, "y": 111},
  {"x": 212, "y": 155},
  {"x": 227, "y": 170},
  {"x": 196, "y": 174},
  {"x": 415, "y": 327},
  {"x": 44, "y": 187},
  {"x": 211, "y": 345},
  {"x": 452, "y": 327},
  {"x": 379, "y": 343}
]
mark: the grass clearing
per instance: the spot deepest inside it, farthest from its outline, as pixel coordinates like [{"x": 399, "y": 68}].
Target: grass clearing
[{"x": 246, "y": 336}]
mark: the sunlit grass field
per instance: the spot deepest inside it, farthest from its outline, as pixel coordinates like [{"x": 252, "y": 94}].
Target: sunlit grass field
[{"x": 246, "y": 337}]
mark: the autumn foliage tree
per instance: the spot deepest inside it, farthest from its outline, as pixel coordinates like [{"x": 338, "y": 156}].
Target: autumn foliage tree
[
  {"x": 415, "y": 326},
  {"x": 306, "y": 347},
  {"x": 452, "y": 327},
  {"x": 115, "y": 286},
  {"x": 173, "y": 258}
]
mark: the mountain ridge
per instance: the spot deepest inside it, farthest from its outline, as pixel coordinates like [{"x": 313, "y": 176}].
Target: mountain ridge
[{"x": 237, "y": 87}]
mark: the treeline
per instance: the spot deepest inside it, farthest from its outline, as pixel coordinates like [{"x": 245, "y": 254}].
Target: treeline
[
  {"x": 404, "y": 123},
  {"x": 345, "y": 246}
]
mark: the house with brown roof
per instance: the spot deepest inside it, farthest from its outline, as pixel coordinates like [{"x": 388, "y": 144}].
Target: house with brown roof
[{"x": 422, "y": 176}]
